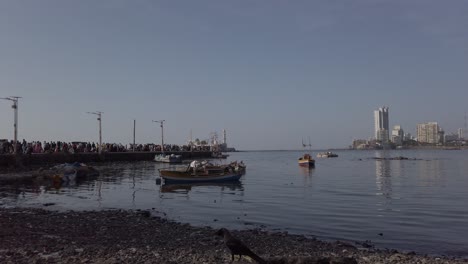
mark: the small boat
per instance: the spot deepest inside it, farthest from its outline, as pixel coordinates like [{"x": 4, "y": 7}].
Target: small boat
[
  {"x": 219, "y": 155},
  {"x": 198, "y": 172},
  {"x": 306, "y": 161},
  {"x": 67, "y": 172},
  {"x": 168, "y": 158},
  {"x": 327, "y": 154}
]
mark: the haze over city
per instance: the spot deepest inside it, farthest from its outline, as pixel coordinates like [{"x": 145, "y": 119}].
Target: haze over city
[{"x": 269, "y": 72}]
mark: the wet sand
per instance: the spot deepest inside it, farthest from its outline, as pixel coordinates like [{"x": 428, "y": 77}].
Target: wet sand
[{"x": 116, "y": 236}]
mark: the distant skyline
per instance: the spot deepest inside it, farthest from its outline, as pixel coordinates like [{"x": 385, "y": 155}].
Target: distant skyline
[{"x": 269, "y": 72}]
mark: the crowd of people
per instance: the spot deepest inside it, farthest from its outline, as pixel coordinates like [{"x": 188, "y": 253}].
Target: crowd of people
[{"x": 35, "y": 147}]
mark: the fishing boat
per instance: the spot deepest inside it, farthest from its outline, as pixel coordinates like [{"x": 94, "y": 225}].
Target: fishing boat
[
  {"x": 306, "y": 160},
  {"x": 168, "y": 158},
  {"x": 198, "y": 172},
  {"x": 327, "y": 154}
]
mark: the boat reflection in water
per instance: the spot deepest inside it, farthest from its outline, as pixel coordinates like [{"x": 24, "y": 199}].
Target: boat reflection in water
[
  {"x": 187, "y": 187},
  {"x": 306, "y": 171}
]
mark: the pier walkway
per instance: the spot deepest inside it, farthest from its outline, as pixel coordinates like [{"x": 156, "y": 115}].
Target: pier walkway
[{"x": 11, "y": 160}]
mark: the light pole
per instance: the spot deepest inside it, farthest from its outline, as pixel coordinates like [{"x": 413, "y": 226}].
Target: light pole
[
  {"x": 134, "y": 127},
  {"x": 98, "y": 113},
  {"x": 162, "y": 133},
  {"x": 14, "y": 99}
]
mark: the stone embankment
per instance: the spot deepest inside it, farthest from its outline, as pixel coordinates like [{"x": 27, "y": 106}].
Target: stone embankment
[{"x": 40, "y": 236}]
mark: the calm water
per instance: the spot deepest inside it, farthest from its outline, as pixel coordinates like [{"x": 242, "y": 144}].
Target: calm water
[{"x": 417, "y": 205}]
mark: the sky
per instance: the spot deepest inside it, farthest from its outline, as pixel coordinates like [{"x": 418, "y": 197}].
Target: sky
[{"x": 270, "y": 73}]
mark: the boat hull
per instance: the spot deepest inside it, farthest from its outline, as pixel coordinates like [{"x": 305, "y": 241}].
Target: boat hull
[
  {"x": 189, "y": 178},
  {"x": 307, "y": 163}
]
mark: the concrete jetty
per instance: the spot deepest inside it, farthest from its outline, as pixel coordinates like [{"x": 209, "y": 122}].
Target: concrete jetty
[{"x": 43, "y": 159}]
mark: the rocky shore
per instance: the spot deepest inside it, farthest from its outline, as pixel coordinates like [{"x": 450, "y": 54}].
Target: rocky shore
[{"x": 41, "y": 236}]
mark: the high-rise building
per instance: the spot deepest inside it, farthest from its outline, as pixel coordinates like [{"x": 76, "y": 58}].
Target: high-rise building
[
  {"x": 397, "y": 135},
  {"x": 381, "y": 124},
  {"x": 429, "y": 133},
  {"x": 460, "y": 133}
]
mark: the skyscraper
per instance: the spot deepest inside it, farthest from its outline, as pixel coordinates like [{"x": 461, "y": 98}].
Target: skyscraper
[{"x": 381, "y": 124}]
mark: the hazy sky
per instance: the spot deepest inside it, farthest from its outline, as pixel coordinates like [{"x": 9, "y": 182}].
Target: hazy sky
[{"x": 269, "y": 72}]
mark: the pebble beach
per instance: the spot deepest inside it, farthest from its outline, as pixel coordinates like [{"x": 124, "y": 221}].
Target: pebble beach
[{"x": 121, "y": 236}]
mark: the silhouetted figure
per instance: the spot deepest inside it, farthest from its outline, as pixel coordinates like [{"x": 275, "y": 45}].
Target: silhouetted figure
[{"x": 237, "y": 247}]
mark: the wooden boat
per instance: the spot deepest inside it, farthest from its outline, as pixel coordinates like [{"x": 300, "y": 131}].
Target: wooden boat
[
  {"x": 201, "y": 172},
  {"x": 327, "y": 154},
  {"x": 306, "y": 161}
]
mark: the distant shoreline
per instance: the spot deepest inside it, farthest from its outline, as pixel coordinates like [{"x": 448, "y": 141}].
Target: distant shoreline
[{"x": 347, "y": 149}]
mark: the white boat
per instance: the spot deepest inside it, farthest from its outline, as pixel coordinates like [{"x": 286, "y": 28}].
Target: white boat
[
  {"x": 327, "y": 154},
  {"x": 168, "y": 158}
]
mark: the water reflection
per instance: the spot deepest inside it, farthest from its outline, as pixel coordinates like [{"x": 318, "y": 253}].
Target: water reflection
[
  {"x": 186, "y": 188},
  {"x": 306, "y": 171},
  {"x": 383, "y": 174},
  {"x": 432, "y": 173}
]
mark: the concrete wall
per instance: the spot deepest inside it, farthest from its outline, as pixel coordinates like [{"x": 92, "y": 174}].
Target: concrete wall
[{"x": 54, "y": 158}]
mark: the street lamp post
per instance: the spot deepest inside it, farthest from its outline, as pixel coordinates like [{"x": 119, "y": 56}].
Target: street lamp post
[
  {"x": 14, "y": 99},
  {"x": 134, "y": 127},
  {"x": 99, "y": 114},
  {"x": 162, "y": 133}
]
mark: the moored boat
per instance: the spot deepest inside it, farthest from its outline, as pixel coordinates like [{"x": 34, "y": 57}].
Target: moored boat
[
  {"x": 219, "y": 155},
  {"x": 306, "y": 161},
  {"x": 327, "y": 154},
  {"x": 201, "y": 172},
  {"x": 168, "y": 158},
  {"x": 67, "y": 172}
]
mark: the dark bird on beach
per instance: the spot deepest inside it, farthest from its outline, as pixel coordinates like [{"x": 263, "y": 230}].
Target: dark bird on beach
[{"x": 237, "y": 247}]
